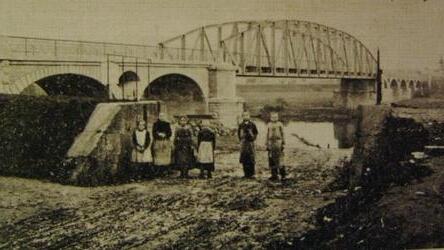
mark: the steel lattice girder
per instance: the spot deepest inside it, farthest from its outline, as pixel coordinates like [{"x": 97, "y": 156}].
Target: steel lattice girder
[{"x": 276, "y": 47}]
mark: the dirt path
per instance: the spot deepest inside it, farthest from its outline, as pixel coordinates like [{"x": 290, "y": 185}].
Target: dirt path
[{"x": 226, "y": 212}]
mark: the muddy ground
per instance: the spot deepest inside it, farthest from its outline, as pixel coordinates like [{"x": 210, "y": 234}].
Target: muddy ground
[{"x": 226, "y": 212}]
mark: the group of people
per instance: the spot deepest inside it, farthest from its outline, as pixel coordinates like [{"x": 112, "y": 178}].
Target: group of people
[
  {"x": 160, "y": 153},
  {"x": 247, "y": 134}
]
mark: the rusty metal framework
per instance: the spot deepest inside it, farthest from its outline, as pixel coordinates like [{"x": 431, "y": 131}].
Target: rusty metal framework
[{"x": 275, "y": 48}]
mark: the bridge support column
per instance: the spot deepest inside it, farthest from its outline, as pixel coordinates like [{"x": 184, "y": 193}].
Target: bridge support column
[
  {"x": 223, "y": 100},
  {"x": 110, "y": 73},
  {"x": 354, "y": 92}
]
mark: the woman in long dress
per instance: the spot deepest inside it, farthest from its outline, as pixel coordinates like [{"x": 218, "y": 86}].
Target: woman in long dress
[
  {"x": 141, "y": 154},
  {"x": 206, "y": 143},
  {"x": 183, "y": 147},
  {"x": 161, "y": 145}
]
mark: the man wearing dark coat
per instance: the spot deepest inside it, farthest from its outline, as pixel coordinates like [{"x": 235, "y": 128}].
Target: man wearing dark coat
[{"x": 247, "y": 134}]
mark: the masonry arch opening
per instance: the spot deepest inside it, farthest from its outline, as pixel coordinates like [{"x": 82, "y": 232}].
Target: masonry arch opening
[
  {"x": 72, "y": 85},
  {"x": 181, "y": 94}
]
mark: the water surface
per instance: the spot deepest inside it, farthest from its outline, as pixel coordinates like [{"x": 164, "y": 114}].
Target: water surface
[{"x": 338, "y": 134}]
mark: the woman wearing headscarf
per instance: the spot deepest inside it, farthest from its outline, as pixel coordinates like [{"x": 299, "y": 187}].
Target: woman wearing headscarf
[{"x": 183, "y": 147}]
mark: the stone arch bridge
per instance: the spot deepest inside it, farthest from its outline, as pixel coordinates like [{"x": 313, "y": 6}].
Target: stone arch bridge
[{"x": 398, "y": 86}]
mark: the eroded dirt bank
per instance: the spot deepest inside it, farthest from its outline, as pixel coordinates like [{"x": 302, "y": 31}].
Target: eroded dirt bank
[
  {"x": 398, "y": 201},
  {"x": 168, "y": 213}
]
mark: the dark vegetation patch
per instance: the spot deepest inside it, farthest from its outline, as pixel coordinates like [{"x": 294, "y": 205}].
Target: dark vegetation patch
[
  {"x": 382, "y": 217},
  {"x": 399, "y": 137},
  {"x": 436, "y": 132},
  {"x": 382, "y": 213},
  {"x": 36, "y": 133}
]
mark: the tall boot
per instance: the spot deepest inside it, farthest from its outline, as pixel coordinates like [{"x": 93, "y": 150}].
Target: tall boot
[
  {"x": 245, "y": 168},
  {"x": 274, "y": 174},
  {"x": 201, "y": 175},
  {"x": 252, "y": 170},
  {"x": 282, "y": 172}
]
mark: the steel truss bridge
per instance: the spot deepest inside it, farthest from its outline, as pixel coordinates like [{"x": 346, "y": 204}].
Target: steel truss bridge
[
  {"x": 288, "y": 48},
  {"x": 285, "y": 48}
]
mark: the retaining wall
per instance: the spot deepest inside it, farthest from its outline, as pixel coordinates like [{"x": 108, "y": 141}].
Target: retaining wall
[
  {"x": 69, "y": 140},
  {"x": 383, "y": 139}
]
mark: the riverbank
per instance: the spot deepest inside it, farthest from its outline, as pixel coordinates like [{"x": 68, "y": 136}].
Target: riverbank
[
  {"x": 401, "y": 202},
  {"x": 407, "y": 214},
  {"x": 167, "y": 213}
]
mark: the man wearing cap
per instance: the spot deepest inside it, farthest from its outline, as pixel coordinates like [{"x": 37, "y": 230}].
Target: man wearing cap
[{"x": 247, "y": 134}]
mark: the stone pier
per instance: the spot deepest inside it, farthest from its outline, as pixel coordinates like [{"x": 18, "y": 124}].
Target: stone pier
[
  {"x": 223, "y": 100},
  {"x": 354, "y": 92}
]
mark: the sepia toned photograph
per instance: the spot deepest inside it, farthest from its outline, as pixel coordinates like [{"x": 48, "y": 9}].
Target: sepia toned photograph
[{"x": 221, "y": 124}]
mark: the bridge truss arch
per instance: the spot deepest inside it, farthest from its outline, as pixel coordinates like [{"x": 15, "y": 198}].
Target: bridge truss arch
[{"x": 275, "y": 48}]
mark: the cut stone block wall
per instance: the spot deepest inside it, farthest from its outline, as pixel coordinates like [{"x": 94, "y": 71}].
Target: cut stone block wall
[{"x": 101, "y": 153}]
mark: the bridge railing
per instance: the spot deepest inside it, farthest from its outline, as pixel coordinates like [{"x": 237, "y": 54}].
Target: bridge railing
[{"x": 31, "y": 48}]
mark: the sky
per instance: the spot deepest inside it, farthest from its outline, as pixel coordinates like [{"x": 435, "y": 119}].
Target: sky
[{"x": 409, "y": 33}]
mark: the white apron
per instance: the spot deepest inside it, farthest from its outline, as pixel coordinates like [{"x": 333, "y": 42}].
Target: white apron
[
  {"x": 162, "y": 152},
  {"x": 205, "y": 152},
  {"x": 144, "y": 156}
]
